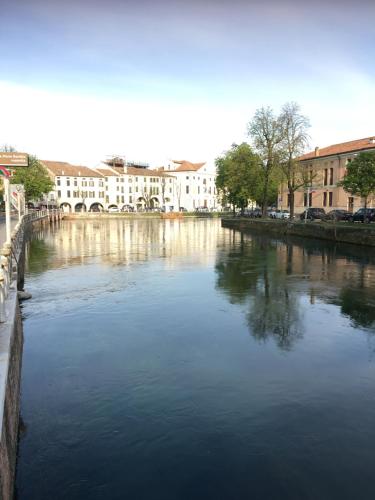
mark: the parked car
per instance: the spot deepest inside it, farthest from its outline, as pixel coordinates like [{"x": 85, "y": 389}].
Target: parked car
[
  {"x": 202, "y": 209},
  {"x": 282, "y": 214},
  {"x": 361, "y": 216},
  {"x": 112, "y": 209},
  {"x": 255, "y": 213},
  {"x": 272, "y": 213},
  {"x": 313, "y": 213},
  {"x": 338, "y": 215},
  {"x": 183, "y": 209}
]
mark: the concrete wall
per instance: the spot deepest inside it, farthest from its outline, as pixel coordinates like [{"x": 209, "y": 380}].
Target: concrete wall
[
  {"x": 11, "y": 344},
  {"x": 359, "y": 234}
]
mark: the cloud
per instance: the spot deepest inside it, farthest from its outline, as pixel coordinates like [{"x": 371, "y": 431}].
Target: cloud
[{"x": 84, "y": 129}]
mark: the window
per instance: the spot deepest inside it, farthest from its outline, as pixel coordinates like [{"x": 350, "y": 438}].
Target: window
[
  {"x": 59, "y": 194},
  {"x": 75, "y": 194},
  {"x": 122, "y": 199},
  {"x": 68, "y": 194},
  {"x": 130, "y": 199},
  {"x": 187, "y": 177},
  {"x": 84, "y": 183},
  {"x": 325, "y": 199},
  {"x": 101, "y": 194},
  {"x": 187, "y": 189},
  {"x": 136, "y": 179},
  {"x": 122, "y": 179},
  {"x": 330, "y": 198},
  {"x": 68, "y": 182},
  {"x": 117, "y": 199},
  {"x": 101, "y": 183},
  {"x": 75, "y": 183},
  {"x": 91, "y": 183},
  {"x": 199, "y": 190},
  {"x": 130, "y": 189},
  {"x": 325, "y": 177},
  {"x": 58, "y": 181},
  {"x": 331, "y": 176},
  {"x": 204, "y": 181}
]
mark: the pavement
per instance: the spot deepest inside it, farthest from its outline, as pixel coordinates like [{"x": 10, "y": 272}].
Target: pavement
[{"x": 13, "y": 221}]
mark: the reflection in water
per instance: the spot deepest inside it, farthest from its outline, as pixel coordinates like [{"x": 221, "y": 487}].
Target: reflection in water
[
  {"x": 274, "y": 277},
  {"x": 140, "y": 379}
]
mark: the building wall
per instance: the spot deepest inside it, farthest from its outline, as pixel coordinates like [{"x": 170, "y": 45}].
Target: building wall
[{"x": 323, "y": 183}]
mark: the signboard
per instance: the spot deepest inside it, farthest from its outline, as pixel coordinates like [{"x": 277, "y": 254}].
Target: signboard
[{"x": 11, "y": 159}]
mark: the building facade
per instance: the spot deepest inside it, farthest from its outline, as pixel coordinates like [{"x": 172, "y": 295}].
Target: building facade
[
  {"x": 195, "y": 184},
  {"x": 325, "y": 168},
  {"x": 115, "y": 184}
]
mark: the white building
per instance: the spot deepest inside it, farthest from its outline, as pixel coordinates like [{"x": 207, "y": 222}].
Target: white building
[
  {"x": 195, "y": 184},
  {"x": 119, "y": 185}
]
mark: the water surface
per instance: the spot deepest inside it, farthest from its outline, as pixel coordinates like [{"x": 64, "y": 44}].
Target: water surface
[{"x": 176, "y": 360}]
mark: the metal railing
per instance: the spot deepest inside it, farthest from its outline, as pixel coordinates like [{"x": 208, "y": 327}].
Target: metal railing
[{"x": 10, "y": 253}]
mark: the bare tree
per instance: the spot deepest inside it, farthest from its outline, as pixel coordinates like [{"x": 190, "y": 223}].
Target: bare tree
[
  {"x": 266, "y": 133},
  {"x": 295, "y": 138}
]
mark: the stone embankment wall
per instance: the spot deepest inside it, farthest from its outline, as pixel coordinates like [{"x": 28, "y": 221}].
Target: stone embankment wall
[
  {"x": 11, "y": 345},
  {"x": 358, "y": 234}
]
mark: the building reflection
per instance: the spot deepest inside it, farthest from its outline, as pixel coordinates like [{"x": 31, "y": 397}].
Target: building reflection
[
  {"x": 125, "y": 242},
  {"x": 277, "y": 280},
  {"x": 273, "y": 280}
]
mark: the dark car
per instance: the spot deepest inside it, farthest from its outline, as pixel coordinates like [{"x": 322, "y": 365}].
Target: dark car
[
  {"x": 313, "y": 213},
  {"x": 338, "y": 215},
  {"x": 255, "y": 213},
  {"x": 361, "y": 216}
]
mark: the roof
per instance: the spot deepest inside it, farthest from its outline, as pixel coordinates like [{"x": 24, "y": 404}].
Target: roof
[
  {"x": 344, "y": 147},
  {"x": 107, "y": 172},
  {"x": 187, "y": 166},
  {"x": 146, "y": 172},
  {"x": 63, "y": 168}
]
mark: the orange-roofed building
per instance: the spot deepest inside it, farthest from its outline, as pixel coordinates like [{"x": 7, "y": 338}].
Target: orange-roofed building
[{"x": 328, "y": 166}]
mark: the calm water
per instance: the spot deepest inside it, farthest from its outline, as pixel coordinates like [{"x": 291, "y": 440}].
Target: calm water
[{"x": 179, "y": 360}]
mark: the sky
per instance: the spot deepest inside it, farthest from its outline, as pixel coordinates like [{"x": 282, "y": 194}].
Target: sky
[{"x": 156, "y": 80}]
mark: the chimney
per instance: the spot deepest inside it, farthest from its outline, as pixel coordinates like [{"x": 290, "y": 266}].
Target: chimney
[
  {"x": 62, "y": 172},
  {"x": 79, "y": 173},
  {"x": 317, "y": 151}
]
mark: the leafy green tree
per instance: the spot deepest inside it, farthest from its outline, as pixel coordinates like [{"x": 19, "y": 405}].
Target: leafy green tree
[
  {"x": 266, "y": 132},
  {"x": 34, "y": 178},
  {"x": 239, "y": 171},
  {"x": 359, "y": 179}
]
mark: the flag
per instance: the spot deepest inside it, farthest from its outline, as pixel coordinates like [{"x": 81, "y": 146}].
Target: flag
[{"x": 4, "y": 172}]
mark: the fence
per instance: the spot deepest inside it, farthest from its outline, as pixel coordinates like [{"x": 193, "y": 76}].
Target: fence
[{"x": 11, "y": 253}]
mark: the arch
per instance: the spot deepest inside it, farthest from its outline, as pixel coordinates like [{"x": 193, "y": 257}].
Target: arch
[
  {"x": 96, "y": 207},
  {"x": 66, "y": 207},
  {"x": 80, "y": 207},
  {"x": 154, "y": 202},
  {"x": 113, "y": 205}
]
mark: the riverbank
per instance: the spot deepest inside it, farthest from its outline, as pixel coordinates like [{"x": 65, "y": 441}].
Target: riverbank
[
  {"x": 358, "y": 234},
  {"x": 142, "y": 215}
]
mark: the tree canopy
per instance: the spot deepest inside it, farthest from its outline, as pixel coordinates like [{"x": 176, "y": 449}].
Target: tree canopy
[
  {"x": 238, "y": 175},
  {"x": 359, "y": 179},
  {"x": 34, "y": 178}
]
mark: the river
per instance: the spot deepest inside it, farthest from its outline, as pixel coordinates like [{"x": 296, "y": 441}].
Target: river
[{"x": 176, "y": 360}]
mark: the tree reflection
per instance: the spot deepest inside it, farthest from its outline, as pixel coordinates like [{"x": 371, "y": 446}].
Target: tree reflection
[{"x": 256, "y": 271}]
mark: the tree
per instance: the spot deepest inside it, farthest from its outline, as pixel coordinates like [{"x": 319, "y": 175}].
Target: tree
[
  {"x": 266, "y": 132},
  {"x": 34, "y": 178},
  {"x": 359, "y": 179},
  {"x": 239, "y": 171},
  {"x": 295, "y": 138}
]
